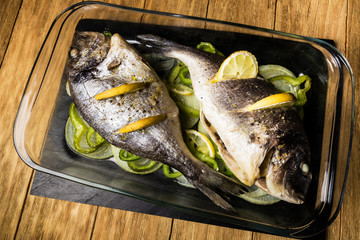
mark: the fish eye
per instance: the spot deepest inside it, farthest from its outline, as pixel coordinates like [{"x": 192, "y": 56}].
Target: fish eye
[
  {"x": 74, "y": 52},
  {"x": 304, "y": 168}
]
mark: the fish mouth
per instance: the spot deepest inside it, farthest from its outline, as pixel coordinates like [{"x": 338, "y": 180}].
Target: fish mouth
[{"x": 285, "y": 195}]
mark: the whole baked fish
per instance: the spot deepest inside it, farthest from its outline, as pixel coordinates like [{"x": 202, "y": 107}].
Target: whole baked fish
[
  {"x": 267, "y": 147},
  {"x": 98, "y": 63}
]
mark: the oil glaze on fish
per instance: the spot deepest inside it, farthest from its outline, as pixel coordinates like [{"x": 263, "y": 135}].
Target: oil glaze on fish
[
  {"x": 266, "y": 147},
  {"x": 98, "y": 63}
]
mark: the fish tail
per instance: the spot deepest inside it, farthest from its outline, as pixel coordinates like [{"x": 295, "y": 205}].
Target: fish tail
[{"x": 218, "y": 188}]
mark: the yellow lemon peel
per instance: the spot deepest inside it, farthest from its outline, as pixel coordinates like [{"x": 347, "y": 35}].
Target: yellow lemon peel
[
  {"x": 239, "y": 65},
  {"x": 123, "y": 89},
  {"x": 142, "y": 123},
  {"x": 203, "y": 143},
  {"x": 273, "y": 101}
]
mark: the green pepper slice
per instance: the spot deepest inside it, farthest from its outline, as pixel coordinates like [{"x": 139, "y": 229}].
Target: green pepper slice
[
  {"x": 168, "y": 174},
  {"x": 301, "y": 93},
  {"x": 98, "y": 139},
  {"x": 188, "y": 110},
  {"x": 184, "y": 71},
  {"x": 208, "y": 47},
  {"x": 126, "y": 156},
  {"x": 80, "y": 129},
  {"x": 206, "y": 159},
  {"x": 139, "y": 168}
]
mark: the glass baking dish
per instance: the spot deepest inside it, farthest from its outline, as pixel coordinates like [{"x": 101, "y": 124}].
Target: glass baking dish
[{"x": 40, "y": 122}]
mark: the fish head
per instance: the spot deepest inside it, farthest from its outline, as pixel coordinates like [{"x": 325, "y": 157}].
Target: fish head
[
  {"x": 88, "y": 49},
  {"x": 287, "y": 174}
]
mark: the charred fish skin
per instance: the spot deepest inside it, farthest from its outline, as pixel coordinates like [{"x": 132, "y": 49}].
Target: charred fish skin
[
  {"x": 90, "y": 74},
  {"x": 267, "y": 147}
]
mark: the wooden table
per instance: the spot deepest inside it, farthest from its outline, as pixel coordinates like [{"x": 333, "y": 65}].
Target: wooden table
[{"x": 24, "y": 24}]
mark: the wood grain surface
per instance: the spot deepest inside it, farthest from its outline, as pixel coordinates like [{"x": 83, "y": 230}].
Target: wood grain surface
[{"x": 24, "y": 24}]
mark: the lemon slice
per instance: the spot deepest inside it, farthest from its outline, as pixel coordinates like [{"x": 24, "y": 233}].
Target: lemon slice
[
  {"x": 239, "y": 65},
  {"x": 126, "y": 88},
  {"x": 203, "y": 144},
  {"x": 142, "y": 123},
  {"x": 273, "y": 101},
  {"x": 181, "y": 89}
]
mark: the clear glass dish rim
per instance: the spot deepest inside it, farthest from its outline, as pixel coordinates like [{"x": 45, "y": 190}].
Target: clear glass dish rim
[{"x": 28, "y": 161}]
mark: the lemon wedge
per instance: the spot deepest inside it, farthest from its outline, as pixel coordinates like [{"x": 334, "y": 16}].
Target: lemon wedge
[
  {"x": 142, "y": 123},
  {"x": 273, "y": 101},
  {"x": 203, "y": 144},
  {"x": 239, "y": 65},
  {"x": 126, "y": 88}
]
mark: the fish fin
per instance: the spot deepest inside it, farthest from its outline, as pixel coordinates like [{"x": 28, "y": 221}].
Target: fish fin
[{"x": 218, "y": 188}]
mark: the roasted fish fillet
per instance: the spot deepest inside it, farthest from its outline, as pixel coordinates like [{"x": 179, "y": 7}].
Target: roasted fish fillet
[
  {"x": 266, "y": 147},
  {"x": 98, "y": 63}
]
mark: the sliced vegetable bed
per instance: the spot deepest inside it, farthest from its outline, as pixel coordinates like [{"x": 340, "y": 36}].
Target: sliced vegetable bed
[{"x": 85, "y": 141}]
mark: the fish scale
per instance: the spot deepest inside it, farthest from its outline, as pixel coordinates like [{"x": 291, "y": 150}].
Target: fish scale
[
  {"x": 91, "y": 71},
  {"x": 267, "y": 147}
]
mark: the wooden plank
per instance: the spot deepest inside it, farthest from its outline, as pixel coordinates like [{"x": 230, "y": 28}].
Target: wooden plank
[
  {"x": 313, "y": 19},
  {"x": 255, "y": 13},
  {"x": 8, "y": 13},
  {"x": 46, "y": 224},
  {"x": 320, "y": 19},
  {"x": 350, "y": 228},
  {"x": 118, "y": 224},
  {"x": 45, "y": 218},
  {"x": 186, "y": 7},
  {"x": 193, "y": 230},
  {"x": 29, "y": 31}
]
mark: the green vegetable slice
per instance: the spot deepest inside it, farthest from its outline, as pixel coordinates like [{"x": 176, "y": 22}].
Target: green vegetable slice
[
  {"x": 107, "y": 33},
  {"x": 80, "y": 130},
  {"x": 181, "y": 89},
  {"x": 223, "y": 168},
  {"x": 141, "y": 166},
  {"x": 284, "y": 80},
  {"x": 174, "y": 73},
  {"x": 168, "y": 174},
  {"x": 294, "y": 85},
  {"x": 188, "y": 110},
  {"x": 126, "y": 156},
  {"x": 270, "y": 70},
  {"x": 98, "y": 139},
  {"x": 208, "y": 47},
  {"x": 206, "y": 159},
  {"x": 259, "y": 197},
  {"x": 178, "y": 176},
  {"x": 102, "y": 152},
  {"x": 184, "y": 75},
  {"x": 182, "y": 180}
]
